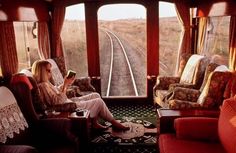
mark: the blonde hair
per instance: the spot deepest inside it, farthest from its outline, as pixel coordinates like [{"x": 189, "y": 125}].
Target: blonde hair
[{"x": 39, "y": 70}]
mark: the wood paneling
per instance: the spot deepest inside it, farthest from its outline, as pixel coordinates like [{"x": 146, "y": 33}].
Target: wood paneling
[
  {"x": 24, "y": 10},
  {"x": 92, "y": 39},
  {"x": 216, "y": 8}
]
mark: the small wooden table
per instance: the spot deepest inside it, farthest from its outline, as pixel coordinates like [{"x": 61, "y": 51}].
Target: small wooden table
[
  {"x": 81, "y": 124},
  {"x": 167, "y": 116}
]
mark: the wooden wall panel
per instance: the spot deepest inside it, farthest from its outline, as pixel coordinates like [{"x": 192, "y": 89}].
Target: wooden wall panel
[
  {"x": 216, "y": 8},
  {"x": 92, "y": 39},
  {"x": 152, "y": 38},
  {"x": 24, "y": 10}
]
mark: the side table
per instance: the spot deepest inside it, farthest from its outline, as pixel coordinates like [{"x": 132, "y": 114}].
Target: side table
[
  {"x": 81, "y": 126},
  {"x": 167, "y": 116}
]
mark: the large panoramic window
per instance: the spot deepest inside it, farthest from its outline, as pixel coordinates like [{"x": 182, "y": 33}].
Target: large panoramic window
[
  {"x": 122, "y": 42},
  {"x": 169, "y": 32},
  {"x": 74, "y": 40},
  {"x": 26, "y": 43}
]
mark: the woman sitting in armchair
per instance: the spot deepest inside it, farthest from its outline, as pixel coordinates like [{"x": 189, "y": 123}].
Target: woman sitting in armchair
[{"x": 53, "y": 95}]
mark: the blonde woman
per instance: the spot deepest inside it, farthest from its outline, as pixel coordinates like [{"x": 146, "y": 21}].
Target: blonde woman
[{"x": 53, "y": 95}]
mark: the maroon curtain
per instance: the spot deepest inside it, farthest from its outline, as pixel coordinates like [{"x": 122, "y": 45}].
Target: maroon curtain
[
  {"x": 232, "y": 44},
  {"x": 58, "y": 15},
  {"x": 202, "y": 29},
  {"x": 184, "y": 15},
  {"x": 43, "y": 40},
  {"x": 8, "y": 53}
]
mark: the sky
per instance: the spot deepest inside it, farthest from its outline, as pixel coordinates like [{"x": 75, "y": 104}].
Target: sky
[{"x": 119, "y": 11}]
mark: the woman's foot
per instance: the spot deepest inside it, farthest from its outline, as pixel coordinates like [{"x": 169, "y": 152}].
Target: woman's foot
[
  {"x": 118, "y": 126},
  {"x": 98, "y": 126}
]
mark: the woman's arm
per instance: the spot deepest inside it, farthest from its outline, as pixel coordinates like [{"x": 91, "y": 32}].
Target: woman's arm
[
  {"x": 51, "y": 95},
  {"x": 66, "y": 83}
]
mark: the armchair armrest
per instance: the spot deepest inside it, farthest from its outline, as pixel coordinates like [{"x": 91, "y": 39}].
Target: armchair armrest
[
  {"x": 66, "y": 107},
  {"x": 84, "y": 84},
  {"x": 185, "y": 94},
  {"x": 181, "y": 104},
  {"x": 175, "y": 85},
  {"x": 163, "y": 82},
  {"x": 198, "y": 128}
]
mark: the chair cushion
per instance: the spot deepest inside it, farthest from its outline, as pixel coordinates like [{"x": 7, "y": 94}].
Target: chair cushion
[
  {"x": 205, "y": 130},
  {"x": 168, "y": 143},
  {"x": 227, "y": 125}
]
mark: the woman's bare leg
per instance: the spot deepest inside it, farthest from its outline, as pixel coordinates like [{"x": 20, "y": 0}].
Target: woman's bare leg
[{"x": 96, "y": 125}]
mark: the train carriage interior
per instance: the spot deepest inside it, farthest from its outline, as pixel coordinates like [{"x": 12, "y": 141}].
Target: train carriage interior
[{"x": 162, "y": 70}]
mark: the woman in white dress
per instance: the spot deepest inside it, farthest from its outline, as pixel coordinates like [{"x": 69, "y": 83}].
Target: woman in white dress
[{"x": 53, "y": 95}]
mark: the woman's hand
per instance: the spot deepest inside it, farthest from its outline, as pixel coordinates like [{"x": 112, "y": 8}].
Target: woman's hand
[
  {"x": 66, "y": 83},
  {"x": 69, "y": 81}
]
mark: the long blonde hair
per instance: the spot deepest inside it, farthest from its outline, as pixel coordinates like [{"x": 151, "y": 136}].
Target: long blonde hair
[{"x": 39, "y": 70}]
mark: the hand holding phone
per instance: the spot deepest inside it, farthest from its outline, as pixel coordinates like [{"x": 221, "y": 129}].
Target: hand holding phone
[{"x": 70, "y": 74}]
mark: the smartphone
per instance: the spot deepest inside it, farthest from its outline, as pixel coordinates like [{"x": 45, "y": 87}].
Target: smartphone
[{"x": 70, "y": 74}]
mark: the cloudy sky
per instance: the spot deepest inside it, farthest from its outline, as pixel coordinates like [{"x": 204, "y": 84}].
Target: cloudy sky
[{"x": 119, "y": 11}]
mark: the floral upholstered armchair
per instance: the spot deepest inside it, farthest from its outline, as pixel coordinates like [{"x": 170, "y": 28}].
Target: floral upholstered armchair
[
  {"x": 191, "y": 74},
  {"x": 210, "y": 95},
  {"x": 81, "y": 86}
]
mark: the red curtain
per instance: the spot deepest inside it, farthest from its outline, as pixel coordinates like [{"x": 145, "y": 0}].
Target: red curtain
[
  {"x": 202, "y": 35},
  {"x": 58, "y": 15},
  {"x": 43, "y": 40},
  {"x": 8, "y": 55},
  {"x": 232, "y": 44},
  {"x": 184, "y": 15}
]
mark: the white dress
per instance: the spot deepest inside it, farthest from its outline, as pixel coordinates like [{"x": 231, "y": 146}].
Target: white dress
[{"x": 51, "y": 95}]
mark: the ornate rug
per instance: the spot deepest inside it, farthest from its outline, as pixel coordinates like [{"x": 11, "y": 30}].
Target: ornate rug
[{"x": 140, "y": 138}]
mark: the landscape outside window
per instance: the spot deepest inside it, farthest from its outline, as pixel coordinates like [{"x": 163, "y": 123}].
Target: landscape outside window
[
  {"x": 217, "y": 39},
  {"x": 26, "y": 43},
  {"x": 169, "y": 33},
  {"x": 74, "y": 40}
]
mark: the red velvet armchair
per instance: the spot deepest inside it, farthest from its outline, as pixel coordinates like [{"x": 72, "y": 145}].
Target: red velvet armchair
[
  {"x": 47, "y": 135},
  {"x": 202, "y": 134}
]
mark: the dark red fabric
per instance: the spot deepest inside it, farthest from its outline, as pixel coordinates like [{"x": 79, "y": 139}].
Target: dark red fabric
[
  {"x": 21, "y": 78},
  {"x": 198, "y": 128},
  {"x": 168, "y": 143},
  {"x": 227, "y": 125},
  {"x": 17, "y": 149},
  {"x": 230, "y": 89}
]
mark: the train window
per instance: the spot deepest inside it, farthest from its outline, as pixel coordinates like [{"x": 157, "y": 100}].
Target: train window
[
  {"x": 74, "y": 39},
  {"x": 217, "y": 39},
  {"x": 169, "y": 33},
  {"x": 122, "y": 42},
  {"x": 26, "y": 43}
]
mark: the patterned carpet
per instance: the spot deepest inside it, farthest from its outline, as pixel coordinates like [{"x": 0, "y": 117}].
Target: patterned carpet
[{"x": 141, "y": 138}]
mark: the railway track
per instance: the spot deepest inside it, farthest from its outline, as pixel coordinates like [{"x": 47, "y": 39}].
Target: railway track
[{"x": 121, "y": 79}]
